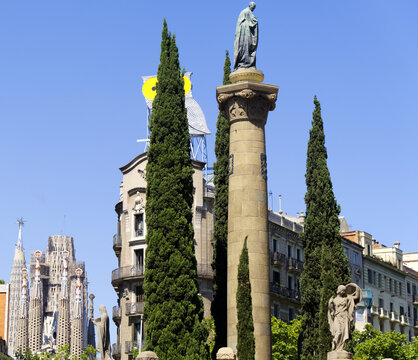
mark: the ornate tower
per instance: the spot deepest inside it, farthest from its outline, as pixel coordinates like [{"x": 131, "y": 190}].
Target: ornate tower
[
  {"x": 247, "y": 102},
  {"x": 19, "y": 264},
  {"x": 91, "y": 338},
  {"x": 77, "y": 321},
  {"x": 36, "y": 308},
  {"x": 63, "y": 326},
  {"x": 22, "y": 336}
]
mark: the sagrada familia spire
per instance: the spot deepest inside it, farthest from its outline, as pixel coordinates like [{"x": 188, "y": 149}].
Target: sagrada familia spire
[
  {"x": 19, "y": 264},
  {"x": 36, "y": 308},
  {"x": 77, "y": 320},
  {"x": 63, "y": 328},
  {"x": 22, "y": 335}
]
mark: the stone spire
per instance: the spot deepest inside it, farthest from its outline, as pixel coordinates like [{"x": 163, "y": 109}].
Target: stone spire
[
  {"x": 22, "y": 338},
  {"x": 15, "y": 281},
  {"x": 63, "y": 328},
  {"x": 91, "y": 338},
  {"x": 36, "y": 308},
  {"x": 77, "y": 321}
]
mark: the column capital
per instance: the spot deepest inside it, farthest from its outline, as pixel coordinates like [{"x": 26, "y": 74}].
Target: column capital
[{"x": 247, "y": 100}]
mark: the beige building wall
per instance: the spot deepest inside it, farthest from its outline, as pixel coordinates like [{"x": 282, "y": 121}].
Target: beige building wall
[
  {"x": 4, "y": 310},
  {"x": 130, "y": 249}
]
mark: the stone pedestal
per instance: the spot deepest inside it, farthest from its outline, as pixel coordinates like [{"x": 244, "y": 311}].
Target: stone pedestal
[
  {"x": 246, "y": 104},
  {"x": 147, "y": 355},
  {"x": 339, "y": 355}
]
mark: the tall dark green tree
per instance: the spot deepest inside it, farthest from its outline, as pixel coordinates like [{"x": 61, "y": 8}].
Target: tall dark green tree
[
  {"x": 173, "y": 308},
  {"x": 325, "y": 265},
  {"x": 245, "y": 325},
  {"x": 220, "y": 234}
]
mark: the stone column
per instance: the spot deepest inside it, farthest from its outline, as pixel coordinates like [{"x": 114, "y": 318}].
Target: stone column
[{"x": 246, "y": 103}]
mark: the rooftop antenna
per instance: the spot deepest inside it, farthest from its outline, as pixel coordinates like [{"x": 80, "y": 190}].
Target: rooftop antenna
[
  {"x": 280, "y": 205},
  {"x": 21, "y": 222}
]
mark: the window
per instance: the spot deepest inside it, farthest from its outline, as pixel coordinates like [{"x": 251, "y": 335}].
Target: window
[
  {"x": 139, "y": 224},
  {"x": 381, "y": 303},
  {"x": 379, "y": 280},
  {"x": 400, "y": 289},
  {"x": 139, "y": 258},
  {"x": 276, "y": 310},
  {"x": 390, "y": 285},
  {"x": 408, "y": 287},
  {"x": 369, "y": 250},
  {"x": 291, "y": 314},
  {"x": 374, "y": 277},
  {"x": 414, "y": 290},
  {"x": 139, "y": 294},
  {"x": 355, "y": 258},
  {"x": 381, "y": 325},
  {"x": 391, "y": 307},
  {"x": 275, "y": 245},
  {"x": 289, "y": 251},
  {"x": 370, "y": 276},
  {"x": 346, "y": 252},
  {"x": 298, "y": 257},
  {"x": 289, "y": 282},
  {"x": 401, "y": 310},
  {"x": 276, "y": 278}
]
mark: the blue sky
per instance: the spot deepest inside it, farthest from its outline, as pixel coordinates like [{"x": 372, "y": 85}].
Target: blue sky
[{"x": 71, "y": 109}]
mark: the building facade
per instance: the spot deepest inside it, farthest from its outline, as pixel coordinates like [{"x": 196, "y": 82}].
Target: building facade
[
  {"x": 4, "y": 315},
  {"x": 130, "y": 249}
]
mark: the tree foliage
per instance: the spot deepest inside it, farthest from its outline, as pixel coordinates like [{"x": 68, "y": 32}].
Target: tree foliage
[
  {"x": 245, "y": 325},
  {"x": 284, "y": 338},
  {"x": 63, "y": 353},
  {"x": 173, "y": 307},
  {"x": 220, "y": 234},
  {"x": 371, "y": 344},
  {"x": 325, "y": 265}
]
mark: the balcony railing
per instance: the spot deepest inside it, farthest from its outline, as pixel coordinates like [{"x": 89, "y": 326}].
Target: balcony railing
[
  {"x": 117, "y": 241},
  {"x": 134, "y": 308},
  {"x": 139, "y": 232},
  {"x": 278, "y": 258},
  {"x": 294, "y": 264},
  {"x": 116, "y": 313},
  {"x": 404, "y": 320},
  {"x": 383, "y": 313},
  {"x": 116, "y": 349},
  {"x": 374, "y": 310},
  {"x": 127, "y": 272},
  {"x": 130, "y": 346},
  {"x": 204, "y": 270},
  {"x": 394, "y": 316},
  {"x": 284, "y": 291}
]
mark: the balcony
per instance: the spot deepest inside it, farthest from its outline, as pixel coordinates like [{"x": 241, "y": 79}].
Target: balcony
[
  {"x": 117, "y": 244},
  {"x": 284, "y": 291},
  {"x": 294, "y": 265},
  {"x": 278, "y": 258},
  {"x": 116, "y": 314},
  {"x": 383, "y": 313},
  {"x": 134, "y": 309},
  {"x": 130, "y": 346},
  {"x": 374, "y": 310},
  {"x": 116, "y": 350},
  {"x": 127, "y": 273},
  {"x": 394, "y": 317},
  {"x": 404, "y": 320},
  {"x": 204, "y": 271},
  {"x": 139, "y": 232}
]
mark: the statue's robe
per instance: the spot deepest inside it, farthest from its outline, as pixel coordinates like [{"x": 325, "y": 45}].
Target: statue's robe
[
  {"x": 103, "y": 338},
  {"x": 246, "y": 40}
]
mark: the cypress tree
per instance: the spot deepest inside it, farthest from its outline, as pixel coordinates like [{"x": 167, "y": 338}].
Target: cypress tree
[
  {"x": 245, "y": 325},
  {"x": 221, "y": 179},
  {"x": 173, "y": 308},
  {"x": 325, "y": 264}
]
